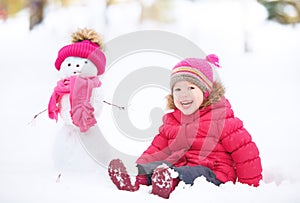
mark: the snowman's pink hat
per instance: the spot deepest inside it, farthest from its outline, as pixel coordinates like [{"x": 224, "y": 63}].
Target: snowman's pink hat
[{"x": 84, "y": 49}]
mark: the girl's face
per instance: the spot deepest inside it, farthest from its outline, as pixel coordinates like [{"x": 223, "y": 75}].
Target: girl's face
[{"x": 187, "y": 97}]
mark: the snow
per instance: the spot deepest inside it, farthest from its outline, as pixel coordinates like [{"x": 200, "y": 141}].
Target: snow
[{"x": 262, "y": 86}]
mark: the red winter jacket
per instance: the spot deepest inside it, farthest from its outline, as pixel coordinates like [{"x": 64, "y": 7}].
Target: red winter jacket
[{"x": 210, "y": 137}]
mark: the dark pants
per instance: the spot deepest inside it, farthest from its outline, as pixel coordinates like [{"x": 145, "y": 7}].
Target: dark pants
[{"x": 187, "y": 174}]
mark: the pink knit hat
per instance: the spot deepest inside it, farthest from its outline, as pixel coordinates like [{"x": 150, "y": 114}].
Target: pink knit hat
[
  {"x": 84, "y": 49},
  {"x": 197, "y": 71}
]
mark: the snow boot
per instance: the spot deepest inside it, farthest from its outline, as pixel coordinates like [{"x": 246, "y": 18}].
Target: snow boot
[
  {"x": 119, "y": 176},
  {"x": 162, "y": 181}
]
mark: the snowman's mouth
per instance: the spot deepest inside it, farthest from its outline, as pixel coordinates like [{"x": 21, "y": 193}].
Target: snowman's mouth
[{"x": 76, "y": 72}]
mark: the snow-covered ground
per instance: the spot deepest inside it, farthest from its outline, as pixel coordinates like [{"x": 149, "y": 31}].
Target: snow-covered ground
[{"x": 262, "y": 85}]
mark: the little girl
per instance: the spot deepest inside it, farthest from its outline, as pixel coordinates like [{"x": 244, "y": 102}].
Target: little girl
[{"x": 201, "y": 137}]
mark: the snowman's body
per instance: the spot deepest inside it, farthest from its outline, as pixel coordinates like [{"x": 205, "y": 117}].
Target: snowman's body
[{"x": 69, "y": 154}]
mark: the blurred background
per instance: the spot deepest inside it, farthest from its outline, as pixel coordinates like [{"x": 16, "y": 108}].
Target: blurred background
[
  {"x": 282, "y": 11},
  {"x": 193, "y": 19}
]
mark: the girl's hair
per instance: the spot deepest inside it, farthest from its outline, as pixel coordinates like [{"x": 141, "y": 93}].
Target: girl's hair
[{"x": 215, "y": 95}]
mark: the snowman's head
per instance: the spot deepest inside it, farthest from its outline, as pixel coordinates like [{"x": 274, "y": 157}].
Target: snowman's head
[
  {"x": 77, "y": 66},
  {"x": 83, "y": 57}
]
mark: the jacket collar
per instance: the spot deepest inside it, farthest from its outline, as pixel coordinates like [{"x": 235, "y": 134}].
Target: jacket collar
[{"x": 185, "y": 119}]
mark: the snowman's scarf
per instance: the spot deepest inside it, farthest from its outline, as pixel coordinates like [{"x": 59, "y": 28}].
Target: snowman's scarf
[{"x": 80, "y": 90}]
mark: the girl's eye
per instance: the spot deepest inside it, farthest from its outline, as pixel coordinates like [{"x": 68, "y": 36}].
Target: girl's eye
[
  {"x": 191, "y": 88},
  {"x": 176, "y": 89}
]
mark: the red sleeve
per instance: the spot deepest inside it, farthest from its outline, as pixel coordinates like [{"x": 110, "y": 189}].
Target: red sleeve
[
  {"x": 244, "y": 152},
  {"x": 157, "y": 151}
]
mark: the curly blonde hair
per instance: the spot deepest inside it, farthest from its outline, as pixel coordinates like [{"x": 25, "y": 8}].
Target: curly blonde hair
[{"x": 215, "y": 95}]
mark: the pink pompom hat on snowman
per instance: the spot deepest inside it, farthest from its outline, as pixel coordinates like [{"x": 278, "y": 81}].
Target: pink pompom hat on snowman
[{"x": 83, "y": 49}]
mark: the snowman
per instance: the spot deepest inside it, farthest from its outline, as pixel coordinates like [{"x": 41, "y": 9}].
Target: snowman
[{"x": 77, "y": 98}]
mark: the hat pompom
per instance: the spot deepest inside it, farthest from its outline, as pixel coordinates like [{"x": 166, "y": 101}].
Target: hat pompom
[
  {"x": 214, "y": 59},
  {"x": 87, "y": 34},
  {"x": 86, "y": 43}
]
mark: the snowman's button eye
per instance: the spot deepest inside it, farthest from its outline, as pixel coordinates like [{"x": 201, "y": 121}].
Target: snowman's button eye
[
  {"x": 69, "y": 64},
  {"x": 77, "y": 65},
  {"x": 86, "y": 62}
]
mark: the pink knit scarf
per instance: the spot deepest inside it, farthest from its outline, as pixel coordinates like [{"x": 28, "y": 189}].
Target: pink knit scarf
[{"x": 80, "y": 90}]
